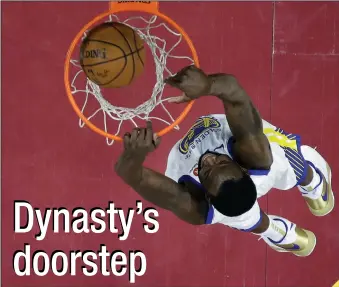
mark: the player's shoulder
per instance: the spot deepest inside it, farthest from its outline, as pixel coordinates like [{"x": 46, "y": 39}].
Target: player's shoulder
[
  {"x": 221, "y": 118},
  {"x": 205, "y": 133},
  {"x": 201, "y": 123}
]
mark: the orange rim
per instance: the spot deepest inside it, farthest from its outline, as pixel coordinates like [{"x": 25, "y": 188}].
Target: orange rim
[{"x": 151, "y": 8}]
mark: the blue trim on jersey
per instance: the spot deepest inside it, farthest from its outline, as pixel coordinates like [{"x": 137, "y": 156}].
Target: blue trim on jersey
[
  {"x": 258, "y": 171},
  {"x": 210, "y": 215},
  {"x": 295, "y": 158},
  {"x": 302, "y": 178},
  {"x": 188, "y": 178},
  {"x": 250, "y": 171}
]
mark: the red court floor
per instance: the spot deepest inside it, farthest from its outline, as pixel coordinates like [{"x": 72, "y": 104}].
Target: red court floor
[{"x": 286, "y": 54}]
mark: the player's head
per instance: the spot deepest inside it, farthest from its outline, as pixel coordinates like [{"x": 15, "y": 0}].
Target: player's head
[{"x": 230, "y": 189}]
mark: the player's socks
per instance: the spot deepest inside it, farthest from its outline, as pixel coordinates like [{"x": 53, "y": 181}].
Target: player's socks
[
  {"x": 276, "y": 230},
  {"x": 315, "y": 183},
  {"x": 284, "y": 236},
  {"x": 319, "y": 196}
]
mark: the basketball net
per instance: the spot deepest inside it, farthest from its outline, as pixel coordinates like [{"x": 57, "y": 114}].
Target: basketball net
[{"x": 161, "y": 51}]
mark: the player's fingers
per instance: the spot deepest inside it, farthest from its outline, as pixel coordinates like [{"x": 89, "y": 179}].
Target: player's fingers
[
  {"x": 178, "y": 79},
  {"x": 156, "y": 140},
  {"x": 149, "y": 133},
  {"x": 180, "y": 99},
  {"x": 184, "y": 71},
  {"x": 141, "y": 136},
  {"x": 126, "y": 139},
  {"x": 134, "y": 134},
  {"x": 174, "y": 81}
]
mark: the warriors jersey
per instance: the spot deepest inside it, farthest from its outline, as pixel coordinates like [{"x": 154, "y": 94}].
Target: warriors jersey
[{"x": 212, "y": 133}]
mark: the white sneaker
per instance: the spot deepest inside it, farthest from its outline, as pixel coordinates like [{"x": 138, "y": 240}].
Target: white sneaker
[
  {"x": 298, "y": 241},
  {"x": 320, "y": 201}
]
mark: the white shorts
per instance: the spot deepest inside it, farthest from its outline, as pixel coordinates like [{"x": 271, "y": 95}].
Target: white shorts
[{"x": 245, "y": 222}]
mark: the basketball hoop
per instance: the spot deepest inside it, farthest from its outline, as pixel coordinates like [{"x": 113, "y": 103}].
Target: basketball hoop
[{"x": 160, "y": 54}]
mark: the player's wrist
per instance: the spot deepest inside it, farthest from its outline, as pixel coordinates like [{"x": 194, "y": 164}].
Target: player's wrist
[
  {"x": 222, "y": 85},
  {"x": 135, "y": 158},
  {"x": 129, "y": 162}
]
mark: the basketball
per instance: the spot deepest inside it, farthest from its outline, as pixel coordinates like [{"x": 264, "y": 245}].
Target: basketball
[{"x": 112, "y": 55}]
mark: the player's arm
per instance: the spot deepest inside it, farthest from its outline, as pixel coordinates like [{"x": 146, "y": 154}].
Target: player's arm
[
  {"x": 251, "y": 146},
  {"x": 153, "y": 186},
  {"x": 252, "y": 149}
]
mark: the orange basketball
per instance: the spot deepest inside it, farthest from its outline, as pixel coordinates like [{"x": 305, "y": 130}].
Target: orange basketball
[{"x": 112, "y": 55}]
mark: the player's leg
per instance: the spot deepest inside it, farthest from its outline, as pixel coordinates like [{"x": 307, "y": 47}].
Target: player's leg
[
  {"x": 283, "y": 235},
  {"x": 279, "y": 233},
  {"x": 304, "y": 167},
  {"x": 316, "y": 188}
]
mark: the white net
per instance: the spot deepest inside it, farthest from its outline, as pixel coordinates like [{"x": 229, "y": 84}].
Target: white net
[{"x": 161, "y": 51}]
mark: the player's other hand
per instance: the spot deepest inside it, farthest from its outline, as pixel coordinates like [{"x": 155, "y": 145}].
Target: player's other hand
[
  {"x": 137, "y": 145},
  {"x": 141, "y": 141},
  {"x": 192, "y": 81}
]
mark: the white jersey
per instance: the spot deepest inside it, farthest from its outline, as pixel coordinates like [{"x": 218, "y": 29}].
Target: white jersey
[{"x": 212, "y": 133}]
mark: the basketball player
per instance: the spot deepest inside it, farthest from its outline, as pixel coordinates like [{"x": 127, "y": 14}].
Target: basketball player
[{"x": 224, "y": 163}]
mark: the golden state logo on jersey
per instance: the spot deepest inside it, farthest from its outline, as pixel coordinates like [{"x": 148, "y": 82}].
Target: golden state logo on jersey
[{"x": 197, "y": 133}]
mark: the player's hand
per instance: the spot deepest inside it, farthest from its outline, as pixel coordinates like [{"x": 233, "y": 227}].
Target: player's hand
[
  {"x": 192, "y": 81},
  {"x": 141, "y": 141},
  {"x": 137, "y": 145}
]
